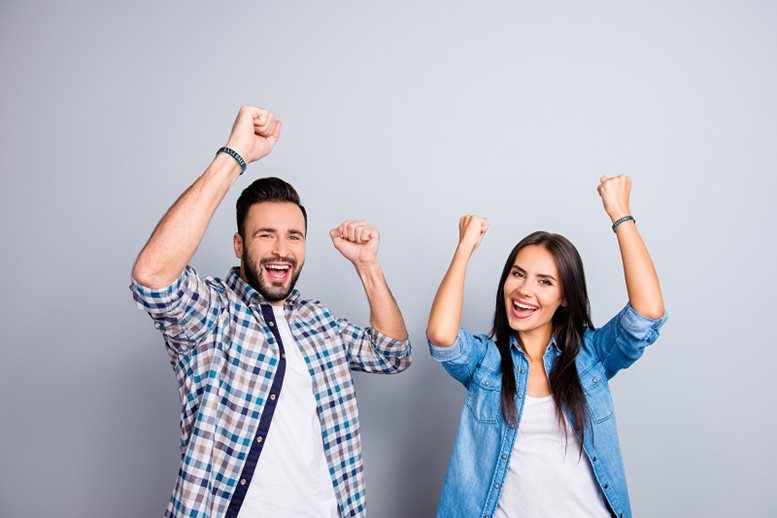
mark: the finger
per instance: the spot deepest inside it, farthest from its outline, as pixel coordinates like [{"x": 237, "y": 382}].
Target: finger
[
  {"x": 265, "y": 128},
  {"x": 368, "y": 233},
  {"x": 276, "y": 134}
]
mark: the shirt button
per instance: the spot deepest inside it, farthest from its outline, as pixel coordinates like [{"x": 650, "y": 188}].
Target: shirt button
[
  {"x": 520, "y": 396},
  {"x": 607, "y": 486},
  {"x": 259, "y": 439},
  {"x": 242, "y": 481},
  {"x": 504, "y": 456},
  {"x": 283, "y": 356},
  {"x": 496, "y": 486},
  {"x": 593, "y": 459},
  {"x": 595, "y": 380},
  {"x": 272, "y": 396},
  {"x": 522, "y": 371},
  {"x": 271, "y": 324},
  {"x": 486, "y": 382}
]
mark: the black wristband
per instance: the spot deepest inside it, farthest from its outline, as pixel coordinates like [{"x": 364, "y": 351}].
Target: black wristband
[
  {"x": 234, "y": 154},
  {"x": 624, "y": 219}
]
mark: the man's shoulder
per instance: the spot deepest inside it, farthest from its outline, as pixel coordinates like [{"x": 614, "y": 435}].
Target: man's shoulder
[{"x": 313, "y": 307}]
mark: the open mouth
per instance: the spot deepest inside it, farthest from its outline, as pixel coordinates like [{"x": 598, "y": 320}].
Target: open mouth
[
  {"x": 277, "y": 272},
  {"x": 522, "y": 309}
]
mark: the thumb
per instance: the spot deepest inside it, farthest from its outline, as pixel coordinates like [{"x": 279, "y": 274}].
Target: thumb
[{"x": 276, "y": 134}]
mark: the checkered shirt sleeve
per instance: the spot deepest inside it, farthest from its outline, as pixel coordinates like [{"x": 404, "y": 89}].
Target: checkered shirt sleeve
[
  {"x": 185, "y": 312},
  {"x": 370, "y": 350}
]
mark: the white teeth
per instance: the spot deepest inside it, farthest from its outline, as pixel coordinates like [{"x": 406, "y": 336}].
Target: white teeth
[
  {"x": 276, "y": 267},
  {"x": 518, "y": 305}
]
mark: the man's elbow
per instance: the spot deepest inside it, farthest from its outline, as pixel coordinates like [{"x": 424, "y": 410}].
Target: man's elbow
[{"x": 146, "y": 276}]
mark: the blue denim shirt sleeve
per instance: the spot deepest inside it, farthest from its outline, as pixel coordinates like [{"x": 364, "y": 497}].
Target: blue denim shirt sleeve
[
  {"x": 461, "y": 358},
  {"x": 622, "y": 340}
]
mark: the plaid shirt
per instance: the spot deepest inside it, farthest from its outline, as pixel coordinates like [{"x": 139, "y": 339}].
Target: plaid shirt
[{"x": 226, "y": 358}]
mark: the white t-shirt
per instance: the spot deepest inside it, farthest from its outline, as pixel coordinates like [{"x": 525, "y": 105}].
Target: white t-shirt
[
  {"x": 547, "y": 477},
  {"x": 292, "y": 475}
]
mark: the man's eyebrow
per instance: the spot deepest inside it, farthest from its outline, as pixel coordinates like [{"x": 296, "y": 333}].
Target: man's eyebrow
[{"x": 264, "y": 229}]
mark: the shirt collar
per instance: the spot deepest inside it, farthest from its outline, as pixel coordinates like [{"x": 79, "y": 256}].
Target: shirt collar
[
  {"x": 552, "y": 345},
  {"x": 249, "y": 295}
]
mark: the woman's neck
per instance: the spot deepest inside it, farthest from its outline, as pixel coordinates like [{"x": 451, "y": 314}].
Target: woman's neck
[{"x": 535, "y": 342}]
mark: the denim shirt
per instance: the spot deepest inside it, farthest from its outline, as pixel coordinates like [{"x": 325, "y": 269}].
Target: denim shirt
[{"x": 484, "y": 442}]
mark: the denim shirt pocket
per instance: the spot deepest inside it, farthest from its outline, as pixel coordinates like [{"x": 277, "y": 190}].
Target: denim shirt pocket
[
  {"x": 597, "y": 394},
  {"x": 484, "y": 396}
]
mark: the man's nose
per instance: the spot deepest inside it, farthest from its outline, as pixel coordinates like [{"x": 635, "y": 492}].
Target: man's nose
[{"x": 281, "y": 247}]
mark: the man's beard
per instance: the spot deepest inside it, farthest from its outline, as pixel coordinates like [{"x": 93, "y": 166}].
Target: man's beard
[{"x": 254, "y": 278}]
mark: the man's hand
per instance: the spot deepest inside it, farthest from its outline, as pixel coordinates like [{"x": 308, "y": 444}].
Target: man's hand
[
  {"x": 357, "y": 240},
  {"x": 254, "y": 133}
]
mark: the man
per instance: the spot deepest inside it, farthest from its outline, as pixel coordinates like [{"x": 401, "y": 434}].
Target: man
[{"x": 269, "y": 423}]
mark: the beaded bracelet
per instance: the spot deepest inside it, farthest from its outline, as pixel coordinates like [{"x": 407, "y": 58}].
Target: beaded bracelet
[
  {"x": 234, "y": 154},
  {"x": 623, "y": 220}
]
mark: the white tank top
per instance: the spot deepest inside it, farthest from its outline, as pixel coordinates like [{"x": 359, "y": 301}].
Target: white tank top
[
  {"x": 547, "y": 477},
  {"x": 292, "y": 475}
]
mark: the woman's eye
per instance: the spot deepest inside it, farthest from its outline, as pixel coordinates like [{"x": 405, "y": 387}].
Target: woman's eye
[{"x": 546, "y": 282}]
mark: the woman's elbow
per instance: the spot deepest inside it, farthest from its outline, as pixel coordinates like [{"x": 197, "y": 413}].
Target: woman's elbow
[
  {"x": 441, "y": 338},
  {"x": 652, "y": 312}
]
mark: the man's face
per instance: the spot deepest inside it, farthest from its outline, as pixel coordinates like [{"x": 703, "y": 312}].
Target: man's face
[{"x": 273, "y": 250}]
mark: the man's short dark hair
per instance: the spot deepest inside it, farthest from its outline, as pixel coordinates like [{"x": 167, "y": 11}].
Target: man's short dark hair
[{"x": 266, "y": 189}]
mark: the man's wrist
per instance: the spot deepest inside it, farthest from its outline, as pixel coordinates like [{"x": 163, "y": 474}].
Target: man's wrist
[{"x": 236, "y": 155}]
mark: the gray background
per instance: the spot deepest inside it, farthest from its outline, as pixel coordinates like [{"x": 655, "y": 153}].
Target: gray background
[{"x": 408, "y": 114}]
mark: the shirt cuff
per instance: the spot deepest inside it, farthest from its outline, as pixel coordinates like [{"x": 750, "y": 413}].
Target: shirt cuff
[
  {"x": 388, "y": 346},
  {"x": 159, "y": 300},
  {"x": 640, "y": 326},
  {"x": 448, "y": 354}
]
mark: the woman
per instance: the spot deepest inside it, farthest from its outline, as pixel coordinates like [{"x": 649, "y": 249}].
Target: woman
[{"x": 537, "y": 435}]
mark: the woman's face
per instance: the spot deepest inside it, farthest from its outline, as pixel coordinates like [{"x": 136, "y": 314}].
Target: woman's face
[{"x": 533, "y": 291}]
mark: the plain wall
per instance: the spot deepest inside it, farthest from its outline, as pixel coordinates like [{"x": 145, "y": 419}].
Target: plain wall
[{"x": 409, "y": 114}]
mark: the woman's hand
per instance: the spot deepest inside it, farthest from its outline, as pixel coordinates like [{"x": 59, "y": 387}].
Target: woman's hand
[
  {"x": 615, "y": 191},
  {"x": 471, "y": 231}
]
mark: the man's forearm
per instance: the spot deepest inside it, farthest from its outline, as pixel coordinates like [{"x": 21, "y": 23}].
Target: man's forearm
[
  {"x": 384, "y": 311},
  {"x": 179, "y": 233}
]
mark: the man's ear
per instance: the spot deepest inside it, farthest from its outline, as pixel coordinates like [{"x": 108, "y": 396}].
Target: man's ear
[{"x": 237, "y": 243}]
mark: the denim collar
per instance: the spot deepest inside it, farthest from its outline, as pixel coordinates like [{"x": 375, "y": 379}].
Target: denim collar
[{"x": 552, "y": 345}]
